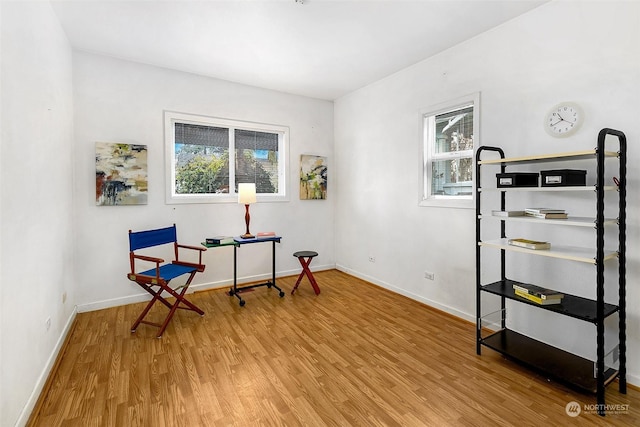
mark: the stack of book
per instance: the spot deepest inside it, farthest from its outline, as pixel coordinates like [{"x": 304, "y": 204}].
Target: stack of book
[
  {"x": 219, "y": 240},
  {"x": 546, "y": 213},
  {"x": 538, "y": 294},
  {"x": 529, "y": 244}
]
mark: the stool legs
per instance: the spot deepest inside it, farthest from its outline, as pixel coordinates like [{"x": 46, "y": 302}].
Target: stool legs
[{"x": 306, "y": 272}]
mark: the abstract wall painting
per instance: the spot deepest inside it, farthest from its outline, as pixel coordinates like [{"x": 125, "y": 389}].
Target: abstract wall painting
[
  {"x": 313, "y": 177},
  {"x": 121, "y": 174}
]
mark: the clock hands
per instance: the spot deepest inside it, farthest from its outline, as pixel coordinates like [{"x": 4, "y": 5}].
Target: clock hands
[{"x": 562, "y": 119}]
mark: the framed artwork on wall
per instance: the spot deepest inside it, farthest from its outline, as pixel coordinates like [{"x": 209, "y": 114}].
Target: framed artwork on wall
[
  {"x": 121, "y": 174},
  {"x": 313, "y": 177}
]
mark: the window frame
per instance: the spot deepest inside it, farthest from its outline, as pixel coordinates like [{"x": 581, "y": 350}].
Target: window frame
[
  {"x": 428, "y": 156},
  {"x": 171, "y": 197}
]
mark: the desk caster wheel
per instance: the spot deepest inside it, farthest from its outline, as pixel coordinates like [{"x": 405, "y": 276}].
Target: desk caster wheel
[
  {"x": 242, "y": 303},
  {"x": 281, "y": 294},
  {"x": 268, "y": 285}
]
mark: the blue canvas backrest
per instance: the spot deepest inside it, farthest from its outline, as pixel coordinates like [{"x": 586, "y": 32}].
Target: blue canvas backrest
[{"x": 148, "y": 238}]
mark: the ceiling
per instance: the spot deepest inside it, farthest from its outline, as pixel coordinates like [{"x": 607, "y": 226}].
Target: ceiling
[{"x": 317, "y": 48}]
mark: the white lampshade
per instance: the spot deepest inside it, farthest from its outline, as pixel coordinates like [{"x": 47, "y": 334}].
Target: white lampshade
[{"x": 247, "y": 193}]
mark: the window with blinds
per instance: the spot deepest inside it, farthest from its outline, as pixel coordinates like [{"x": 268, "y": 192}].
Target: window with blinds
[{"x": 208, "y": 158}]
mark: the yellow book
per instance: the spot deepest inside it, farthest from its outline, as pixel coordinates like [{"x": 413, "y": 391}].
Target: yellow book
[
  {"x": 538, "y": 300},
  {"x": 529, "y": 244}
]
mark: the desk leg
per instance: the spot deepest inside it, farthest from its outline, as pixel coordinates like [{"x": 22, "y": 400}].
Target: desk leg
[
  {"x": 273, "y": 263},
  {"x": 234, "y": 291},
  {"x": 273, "y": 269}
]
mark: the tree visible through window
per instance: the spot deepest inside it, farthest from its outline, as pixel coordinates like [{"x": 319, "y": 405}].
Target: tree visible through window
[
  {"x": 201, "y": 159},
  {"x": 211, "y": 159}
]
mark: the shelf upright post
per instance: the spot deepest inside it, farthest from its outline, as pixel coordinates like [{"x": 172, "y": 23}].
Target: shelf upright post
[
  {"x": 478, "y": 240},
  {"x": 600, "y": 274},
  {"x": 622, "y": 248},
  {"x": 478, "y": 284},
  {"x": 622, "y": 259}
]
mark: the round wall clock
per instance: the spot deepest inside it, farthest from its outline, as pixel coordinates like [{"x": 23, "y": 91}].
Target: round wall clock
[{"x": 563, "y": 119}]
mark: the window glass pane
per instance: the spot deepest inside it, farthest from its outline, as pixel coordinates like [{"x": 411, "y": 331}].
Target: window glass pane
[
  {"x": 201, "y": 159},
  {"x": 257, "y": 159},
  {"x": 206, "y": 158},
  {"x": 454, "y": 131},
  {"x": 465, "y": 169},
  {"x": 452, "y": 177}
]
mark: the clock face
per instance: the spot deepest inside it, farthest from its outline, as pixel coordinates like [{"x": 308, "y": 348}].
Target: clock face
[{"x": 563, "y": 119}]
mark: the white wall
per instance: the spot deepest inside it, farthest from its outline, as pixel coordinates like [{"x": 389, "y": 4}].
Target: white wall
[
  {"x": 37, "y": 211},
  {"x": 585, "y": 52},
  {"x": 119, "y": 101}
]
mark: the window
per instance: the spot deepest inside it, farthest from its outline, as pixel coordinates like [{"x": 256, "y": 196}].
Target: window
[
  {"x": 206, "y": 158},
  {"x": 450, "y": 135}
]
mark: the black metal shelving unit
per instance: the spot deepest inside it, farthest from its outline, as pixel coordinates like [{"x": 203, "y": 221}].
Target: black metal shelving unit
[{"x": 567, "y": 368}]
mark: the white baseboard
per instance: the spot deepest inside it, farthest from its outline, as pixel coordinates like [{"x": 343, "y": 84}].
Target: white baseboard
[
  {"x": 46, "y": 371},
  {"x": 198, "y": 287},
  {"x": 454, "y": 312}
]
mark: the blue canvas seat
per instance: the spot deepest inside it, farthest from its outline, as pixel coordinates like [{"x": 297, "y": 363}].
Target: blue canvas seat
[
  {"x": 169, "y": 271},
  {"x": 156, "y": 280}
]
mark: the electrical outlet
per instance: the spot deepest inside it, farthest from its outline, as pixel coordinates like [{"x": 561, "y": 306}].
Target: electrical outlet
[
  {"x": 372, "y": 258},
  {"x": 429, "y": 275}
]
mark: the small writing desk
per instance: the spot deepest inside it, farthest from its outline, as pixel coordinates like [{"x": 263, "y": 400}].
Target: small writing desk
[{"x": 237, "y": 243}]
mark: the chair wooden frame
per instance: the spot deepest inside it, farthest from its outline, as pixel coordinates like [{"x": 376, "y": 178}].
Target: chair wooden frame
[{"x": 162, "y": 274}]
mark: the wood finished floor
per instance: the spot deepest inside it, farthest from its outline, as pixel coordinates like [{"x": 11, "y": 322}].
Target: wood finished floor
[{"x": 356, "y": 355}]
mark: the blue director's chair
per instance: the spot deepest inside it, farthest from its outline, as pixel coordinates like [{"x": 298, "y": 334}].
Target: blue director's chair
[{"x": 156, "y": 280}]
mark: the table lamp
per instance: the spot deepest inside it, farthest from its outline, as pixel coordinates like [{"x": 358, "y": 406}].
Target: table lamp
[{"x": 246, "y": 196}]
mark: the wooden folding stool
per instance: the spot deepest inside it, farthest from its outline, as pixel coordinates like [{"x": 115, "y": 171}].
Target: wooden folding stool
[{"x": 305, "y": 258}]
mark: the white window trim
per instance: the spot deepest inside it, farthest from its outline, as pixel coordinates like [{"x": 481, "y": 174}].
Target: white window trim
[
  {"x": 171, "y": 117},
  {"x": 425, "y": 198}
]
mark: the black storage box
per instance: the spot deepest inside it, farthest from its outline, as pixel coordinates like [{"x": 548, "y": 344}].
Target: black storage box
[
  {"x": 563, "y": 178},
  {"x": 517, "y": 179}
]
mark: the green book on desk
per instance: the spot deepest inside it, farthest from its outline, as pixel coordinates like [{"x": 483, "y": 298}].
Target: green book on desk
[{"x": 220, "y": 240}]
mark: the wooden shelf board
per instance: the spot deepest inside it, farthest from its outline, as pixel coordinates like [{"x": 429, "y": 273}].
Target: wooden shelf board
[
  {"x": 572, "y": 305},
  {"x": 575, "y": 221},
  {"x": 570, "y": 369},
  {"x": 547, "y": 189},
  {"x": 572, "y": 155},
  {"x": 557, "y": 251}
]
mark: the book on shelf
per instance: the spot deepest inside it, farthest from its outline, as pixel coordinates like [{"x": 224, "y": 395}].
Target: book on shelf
[
  {"x": 219, "y": 240},
  {"x": 507, "y": 213},
  {"x": 547, "y": 215},
  {"x": 537, "y": 291},
  {"x": 529, "y": 244},
  {"x": 543, "y": 211},
  {"x": 263, "y": 234},
  {"x": 537, "y": 300}
]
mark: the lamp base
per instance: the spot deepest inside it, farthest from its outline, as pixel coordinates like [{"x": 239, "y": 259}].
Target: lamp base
[{"x": 248, "y": 236}]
